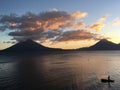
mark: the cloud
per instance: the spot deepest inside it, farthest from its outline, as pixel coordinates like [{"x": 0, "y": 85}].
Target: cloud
[
  {"x": 116, "y": 22},
  {"x": 53, "y": 19},
  {"x": 32, "y": 25},
  {"x": 12, "y": 42},
  {"x": 99, "y": 25},
  {"x": 78, "y": 15},
  {"x": 76, "y": 35},
  {"x": 54, "y": 9},
  {"x": 42, "y": 36},
  {"x": 52, "y": 25},
  {"x": 102, "y": 19}
]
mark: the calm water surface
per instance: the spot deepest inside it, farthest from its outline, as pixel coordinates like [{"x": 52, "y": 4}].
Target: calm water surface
[{"x": 62, "y": 71}]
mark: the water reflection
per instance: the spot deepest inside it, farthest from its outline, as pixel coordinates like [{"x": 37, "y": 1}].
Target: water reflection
[{"x": 63, "y": 71}]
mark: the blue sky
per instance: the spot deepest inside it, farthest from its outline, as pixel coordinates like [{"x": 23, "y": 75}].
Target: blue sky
[
  {"x": 91, "y": 6},
  {"x": 95, "y": 9}
]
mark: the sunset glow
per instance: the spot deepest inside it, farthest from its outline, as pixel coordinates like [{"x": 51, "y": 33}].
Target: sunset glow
[{"x": 71, "y": 27}]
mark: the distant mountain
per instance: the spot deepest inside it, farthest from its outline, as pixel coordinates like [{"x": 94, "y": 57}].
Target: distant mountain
[
  {"x": 31, "y": 46},
  {"x": 28, "y": 46},
  {"x": 103, "y": 45}
]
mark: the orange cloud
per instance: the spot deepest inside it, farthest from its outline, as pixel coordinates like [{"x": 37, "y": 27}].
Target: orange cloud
[
  {"x": 99, "y": 25},
  {"x": 50, "y": 20},
  {"x": 73, "y": 25},
  {"x": 63, "y": 21},
  {"x": 78, "y": 15},
  {"x": 52, "y": 25},
  {"x": 102, "y": 19},
  {"x": 12, "y": 24}
]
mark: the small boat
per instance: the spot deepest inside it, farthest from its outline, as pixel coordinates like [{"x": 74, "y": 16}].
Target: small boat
[{"x": 107, "y": 80}]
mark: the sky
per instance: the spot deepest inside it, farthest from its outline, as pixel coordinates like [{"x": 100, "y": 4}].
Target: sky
[{"x": 66, "y": 24}]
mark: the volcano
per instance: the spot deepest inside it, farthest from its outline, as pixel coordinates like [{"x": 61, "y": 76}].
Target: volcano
[
  {"x": 105, "y": 45},
  {"x": 29, "y": 46}
]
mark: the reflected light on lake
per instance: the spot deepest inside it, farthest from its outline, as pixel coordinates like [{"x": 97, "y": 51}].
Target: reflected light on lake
[{"x": 61, "y": 71}]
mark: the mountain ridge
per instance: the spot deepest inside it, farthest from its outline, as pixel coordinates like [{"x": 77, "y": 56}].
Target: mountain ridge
[{"x": 31, "y": 46}]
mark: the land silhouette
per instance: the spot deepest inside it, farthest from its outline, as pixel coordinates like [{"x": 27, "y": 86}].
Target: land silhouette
[
  {"x": 103, "y": 44},
  {"x": 31, "y": 46}
]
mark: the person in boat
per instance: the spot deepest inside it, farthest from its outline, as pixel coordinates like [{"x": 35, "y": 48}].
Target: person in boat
[{"x": 108, "y": 78}]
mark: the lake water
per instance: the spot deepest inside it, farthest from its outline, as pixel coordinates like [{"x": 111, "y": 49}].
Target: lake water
[{"x": 78, "y": 70}]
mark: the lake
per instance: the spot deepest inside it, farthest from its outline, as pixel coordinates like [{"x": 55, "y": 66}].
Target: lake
[{"x": 77, "y": 70}]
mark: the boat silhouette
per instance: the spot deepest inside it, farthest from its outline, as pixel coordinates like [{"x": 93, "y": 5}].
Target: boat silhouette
[{"x": 107, "y": 80}]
